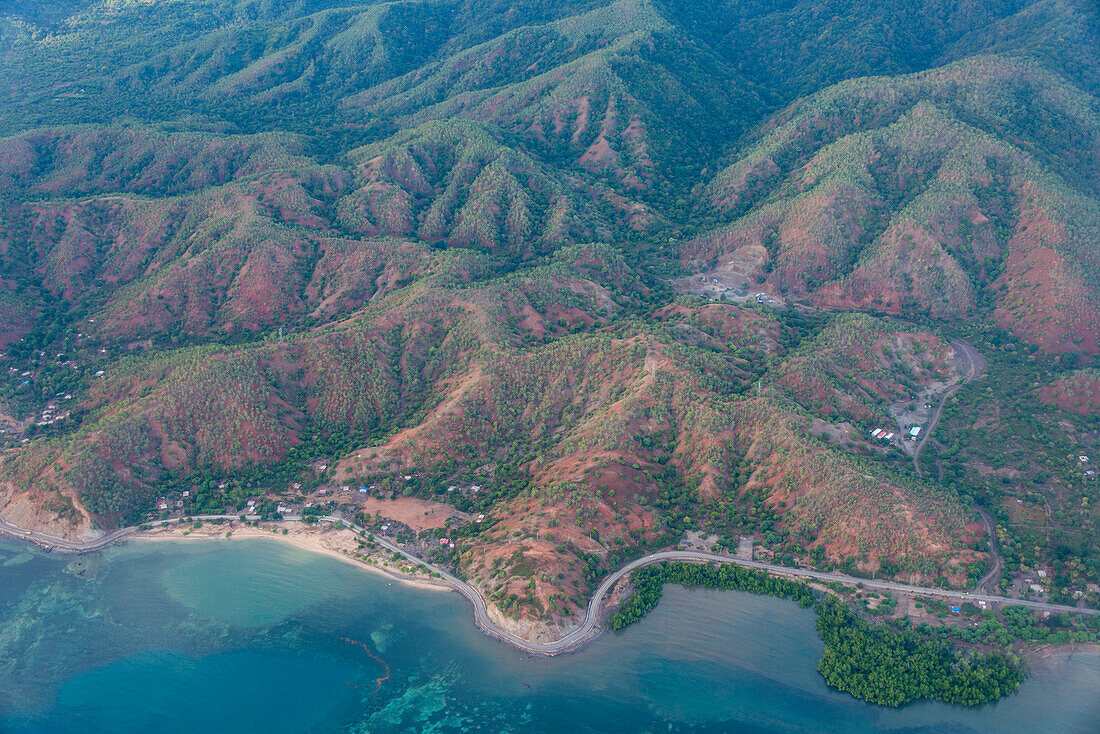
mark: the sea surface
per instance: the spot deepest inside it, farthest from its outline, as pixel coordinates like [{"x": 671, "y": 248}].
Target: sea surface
[{"x": 256, "y": 636}]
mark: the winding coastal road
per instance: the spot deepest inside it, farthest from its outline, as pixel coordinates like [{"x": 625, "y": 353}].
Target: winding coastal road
[
  {"x": 590, "y": 627},
  {"x": 70, "y": 546}
]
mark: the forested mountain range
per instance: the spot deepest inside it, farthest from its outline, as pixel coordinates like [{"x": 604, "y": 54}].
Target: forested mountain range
[{"x": 633, "y": 268}]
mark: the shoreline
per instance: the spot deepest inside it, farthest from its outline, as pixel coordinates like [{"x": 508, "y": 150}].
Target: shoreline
[
  {"x": 304, "y": 539},
  {"x": 311, "y": 538},
  {"x": 487, "y": 619},
  {"x": 1051, "y": 658}
]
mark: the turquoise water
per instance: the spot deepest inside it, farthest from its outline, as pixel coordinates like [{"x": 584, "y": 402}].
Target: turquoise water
[{"x": 255, "y": 636}]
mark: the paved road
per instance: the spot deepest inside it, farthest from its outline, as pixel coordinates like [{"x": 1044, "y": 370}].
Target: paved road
[
  {"x": 826, "y": 576},
  {"x": 998, "y": 561},
  {"x": 590, "y": 628},
  {"x": 51, "y": 541},
  {"x": 971, "y": 364}
]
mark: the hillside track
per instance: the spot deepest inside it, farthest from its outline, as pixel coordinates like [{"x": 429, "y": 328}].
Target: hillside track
[
  {"x": 994, "y": 574},
  {"x": 971, "y": 365}
]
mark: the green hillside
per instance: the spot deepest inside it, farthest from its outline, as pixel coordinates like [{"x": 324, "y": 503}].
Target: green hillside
[{"x": 633, "y": 268}]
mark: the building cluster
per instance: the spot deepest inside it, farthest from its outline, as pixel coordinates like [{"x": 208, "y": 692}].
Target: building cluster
[
  {"x": 885, "y": 434},
  {"x": 52, "y": 413}
]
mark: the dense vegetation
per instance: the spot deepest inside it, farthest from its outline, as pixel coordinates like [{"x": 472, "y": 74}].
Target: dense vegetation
[
  {"x": 873, "y": 662},
  {"x": 892, "y": 668},
  {"x": 648, "y": 582},
  {"x": 587, "y": 268},
  {"x": 1025, "y": 466}
]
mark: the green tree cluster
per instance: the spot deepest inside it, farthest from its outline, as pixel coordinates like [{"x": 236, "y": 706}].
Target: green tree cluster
[
  {"x": 891, "y": 668},
  {"x": 872, "y": 662},
  {"x": 649, "y": 583}
]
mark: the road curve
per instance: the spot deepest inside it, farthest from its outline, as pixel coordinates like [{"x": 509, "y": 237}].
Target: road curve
[
  {"x": 970, "y": 361},
  {"x": 971, "y": 364},
  {"x": 50, "y": 541},
  {"x": 590, "y": 628},
  {"x": 998, "y": 561}
]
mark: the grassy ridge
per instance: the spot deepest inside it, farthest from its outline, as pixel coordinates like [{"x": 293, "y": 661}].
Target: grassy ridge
[{"x": 370, "y": 227}]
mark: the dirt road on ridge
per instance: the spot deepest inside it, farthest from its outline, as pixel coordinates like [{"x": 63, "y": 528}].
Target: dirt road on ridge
[{"x": 971, "y": 364}]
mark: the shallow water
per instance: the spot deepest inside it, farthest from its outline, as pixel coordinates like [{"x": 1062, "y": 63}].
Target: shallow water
[{"x": 256, "y": 636}]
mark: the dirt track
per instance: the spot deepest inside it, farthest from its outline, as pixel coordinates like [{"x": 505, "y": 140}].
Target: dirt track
[
  {"x": 971, "y": 364},
  {"x": 994, "y": 573}
]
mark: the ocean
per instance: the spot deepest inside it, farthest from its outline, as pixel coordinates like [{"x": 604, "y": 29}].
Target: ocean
[{"x": 257, "y": 636}]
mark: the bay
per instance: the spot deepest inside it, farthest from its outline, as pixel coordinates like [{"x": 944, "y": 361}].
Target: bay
[{"x": 257, "y": 636}]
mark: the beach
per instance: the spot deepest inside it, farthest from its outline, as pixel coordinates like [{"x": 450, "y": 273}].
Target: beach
[
  {"x": 272, "y": 637},
  {"x": 320, "y": 538}
]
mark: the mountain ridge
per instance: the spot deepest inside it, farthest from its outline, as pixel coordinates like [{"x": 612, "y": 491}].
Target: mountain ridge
[{"x": 634, "y": 269}]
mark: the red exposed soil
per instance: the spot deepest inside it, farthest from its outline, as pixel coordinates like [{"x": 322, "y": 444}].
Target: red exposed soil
[
  {"x": 1044, "y": 300},
  {"x": 1079, "y": 393}
]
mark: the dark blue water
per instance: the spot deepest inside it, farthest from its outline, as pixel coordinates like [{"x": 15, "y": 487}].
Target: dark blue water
[{"x": 255, "y": 636}]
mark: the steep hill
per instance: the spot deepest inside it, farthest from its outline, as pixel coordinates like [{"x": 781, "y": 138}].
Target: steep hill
[
  {"x": 587, "y": 268},
  {"x": 856, "y": 365},
  {"x": 907, "y": 196},
  {"x": 581, "y": 442},
  {"x": 457, "y": 183}
]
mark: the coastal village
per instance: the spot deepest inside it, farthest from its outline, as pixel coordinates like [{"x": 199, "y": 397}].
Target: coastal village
[
  {"x": 318, "y": 517},
  {"x": 434, "y": 528},
  {"x": 965, "y": 615},
  {"x": 418, "y": 525}
]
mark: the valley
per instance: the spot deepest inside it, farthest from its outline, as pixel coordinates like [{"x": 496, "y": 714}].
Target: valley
[{"x": 579, "y": 279}]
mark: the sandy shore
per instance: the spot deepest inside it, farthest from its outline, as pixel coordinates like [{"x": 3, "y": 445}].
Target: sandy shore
[
  {"x": 344, "y": 544},
  {"x": 321, "y": 538},
  {"x": 1053, "y": 658}
]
